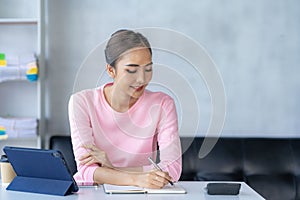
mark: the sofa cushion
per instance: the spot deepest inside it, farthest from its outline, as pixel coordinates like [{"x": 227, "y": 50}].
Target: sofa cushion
[
  {"x": 295, "y": 143},
  {"x": 224, "y": 162},
  {"x": 268, "y": 156},
  {"x": 275, "y": 187}
]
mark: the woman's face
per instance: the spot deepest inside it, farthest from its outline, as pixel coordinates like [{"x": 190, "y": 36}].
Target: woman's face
[{"x": 133, "y": 72}]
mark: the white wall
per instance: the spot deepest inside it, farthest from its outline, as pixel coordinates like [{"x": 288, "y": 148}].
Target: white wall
[{"x": 255, "y": 45}]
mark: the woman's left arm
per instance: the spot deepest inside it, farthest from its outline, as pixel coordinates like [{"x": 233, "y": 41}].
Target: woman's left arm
[{"x": 169, "y": 141}]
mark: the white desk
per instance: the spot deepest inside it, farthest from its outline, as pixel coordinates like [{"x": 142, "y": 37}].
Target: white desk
[{"x": 195, "y": 190}]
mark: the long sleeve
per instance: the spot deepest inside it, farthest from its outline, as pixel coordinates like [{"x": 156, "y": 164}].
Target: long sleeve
[
  {"x": 168, "y": 140},
  {"x": 82, "y": 133}
]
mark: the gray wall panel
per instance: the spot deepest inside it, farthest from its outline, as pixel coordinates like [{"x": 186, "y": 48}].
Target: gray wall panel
[{"x": 255, "y": 45}]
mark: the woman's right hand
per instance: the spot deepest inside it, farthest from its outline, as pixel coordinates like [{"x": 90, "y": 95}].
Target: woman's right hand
[
  {"x": 95, "y": 156},
  {"x": 154, "y": 179}
]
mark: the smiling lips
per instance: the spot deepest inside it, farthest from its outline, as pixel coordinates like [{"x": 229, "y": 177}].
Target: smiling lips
[{"x": 138, "y": 89}]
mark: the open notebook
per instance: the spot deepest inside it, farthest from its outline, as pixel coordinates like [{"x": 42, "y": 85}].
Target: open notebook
[{"x": 168, "y": 189}]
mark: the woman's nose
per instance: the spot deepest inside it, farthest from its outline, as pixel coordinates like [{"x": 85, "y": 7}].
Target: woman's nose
[{"x": 141, "y": 77}]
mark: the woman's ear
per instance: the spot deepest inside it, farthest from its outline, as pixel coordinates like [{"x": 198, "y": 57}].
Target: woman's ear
[{"x": 110, "y": 70}]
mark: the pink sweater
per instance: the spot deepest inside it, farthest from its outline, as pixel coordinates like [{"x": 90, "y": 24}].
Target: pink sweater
[{"x": 127, "y": 138}]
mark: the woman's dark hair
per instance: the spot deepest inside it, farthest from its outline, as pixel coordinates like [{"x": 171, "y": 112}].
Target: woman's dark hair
[{"x": 122, "y": 41}]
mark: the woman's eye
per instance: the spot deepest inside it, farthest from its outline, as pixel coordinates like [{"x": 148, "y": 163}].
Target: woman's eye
[
  {"x": 131, "y": 71},
  {"x": 148, "y": 69}
]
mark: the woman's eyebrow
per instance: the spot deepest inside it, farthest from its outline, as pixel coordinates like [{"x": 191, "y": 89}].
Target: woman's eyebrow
[{"x": 136, "y": 65}]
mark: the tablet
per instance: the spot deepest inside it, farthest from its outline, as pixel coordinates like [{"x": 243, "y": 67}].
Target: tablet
[{"x": 40, "y": 171}]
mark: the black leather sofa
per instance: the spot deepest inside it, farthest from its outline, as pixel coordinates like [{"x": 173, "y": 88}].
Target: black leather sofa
[{"x": 271, "y": 166}]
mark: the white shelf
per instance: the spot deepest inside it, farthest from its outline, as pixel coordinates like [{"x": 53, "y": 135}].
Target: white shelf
[
  {"x": 20, "y": 138},
  {"x": 19, "y": 20},
  {"x": 22, "y": 30}
]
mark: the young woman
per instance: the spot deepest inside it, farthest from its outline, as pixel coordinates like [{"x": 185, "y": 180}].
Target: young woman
[{"x": 116, "y": 127}]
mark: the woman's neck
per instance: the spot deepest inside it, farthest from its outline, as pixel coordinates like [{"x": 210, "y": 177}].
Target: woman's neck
[{"x": 118, "y": 100}]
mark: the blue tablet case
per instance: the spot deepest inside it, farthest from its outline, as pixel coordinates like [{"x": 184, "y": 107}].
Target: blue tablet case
[{"x": 40, "y": 171}]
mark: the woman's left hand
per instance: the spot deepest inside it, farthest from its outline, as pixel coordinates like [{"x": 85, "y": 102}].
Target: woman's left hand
[{"x": 95, "y": 156}]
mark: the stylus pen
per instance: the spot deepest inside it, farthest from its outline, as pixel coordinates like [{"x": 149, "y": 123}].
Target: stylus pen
[{"x": 157, "y": 167}]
